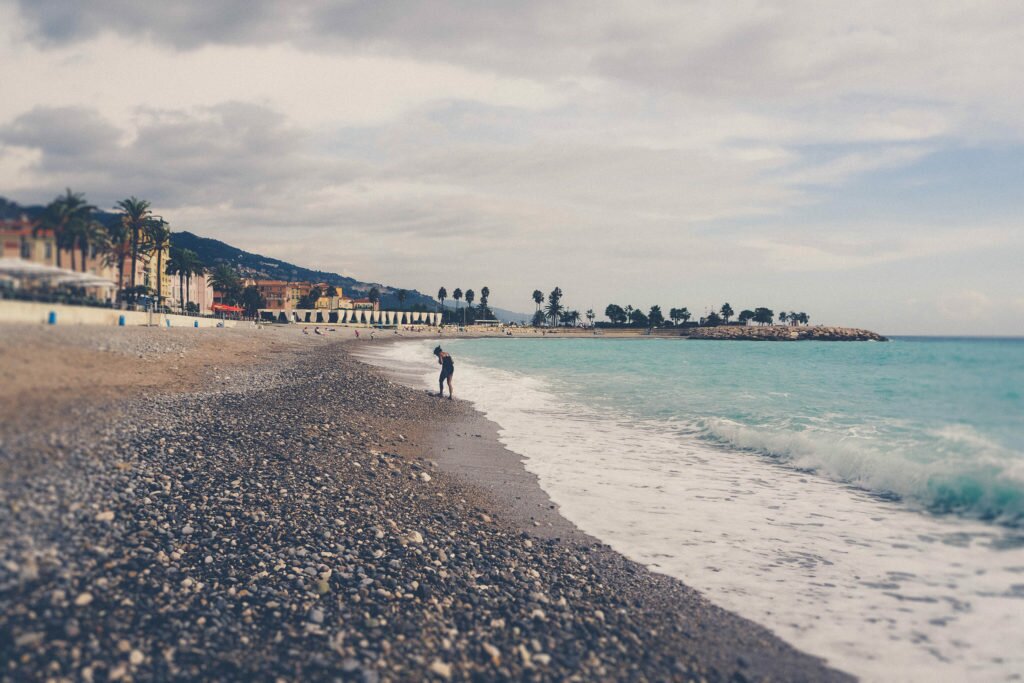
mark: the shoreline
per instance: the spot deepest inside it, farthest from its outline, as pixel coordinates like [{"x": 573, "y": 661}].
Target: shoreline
[
  {"x": 473, "y": 451},
  {"x": 283, "y": 519}
]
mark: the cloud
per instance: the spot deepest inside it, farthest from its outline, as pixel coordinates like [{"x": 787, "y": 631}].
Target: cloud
[
  {"x": 630, "y": 148},
  {"x": 233, "y": 152},
  {"x": 965, "y": 305}
]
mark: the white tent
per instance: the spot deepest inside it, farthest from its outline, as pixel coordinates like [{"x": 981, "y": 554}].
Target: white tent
[{"x": 20, "y": 269}]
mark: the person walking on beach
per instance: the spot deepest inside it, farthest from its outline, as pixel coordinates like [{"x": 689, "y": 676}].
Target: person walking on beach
[{"x": 444, "y": 359}]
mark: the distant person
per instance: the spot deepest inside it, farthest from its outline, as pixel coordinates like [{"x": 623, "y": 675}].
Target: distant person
[
  {"x": 316, "y": 330},
  {"x": 357, "y": 334},
  {"x": 444, "y": 359}
]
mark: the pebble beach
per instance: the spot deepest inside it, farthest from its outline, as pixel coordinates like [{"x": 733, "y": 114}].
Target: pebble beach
[{"x": 257, "y": 504}]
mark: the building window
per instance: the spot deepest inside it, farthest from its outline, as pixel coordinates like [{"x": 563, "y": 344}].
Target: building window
[
  {"x": 49, "y": 251},
  {"x": 26, "y": 249}
]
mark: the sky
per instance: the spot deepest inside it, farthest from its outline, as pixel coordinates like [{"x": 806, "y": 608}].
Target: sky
[{"x": 862, "y": 162}]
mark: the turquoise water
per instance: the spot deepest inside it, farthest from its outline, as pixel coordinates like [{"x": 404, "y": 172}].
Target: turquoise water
[
  {"x": 937, "y": 423},
  {"x": 865, "y": 501}
]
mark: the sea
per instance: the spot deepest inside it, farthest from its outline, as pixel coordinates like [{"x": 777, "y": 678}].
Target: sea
[{"x": 863, "y": 500}]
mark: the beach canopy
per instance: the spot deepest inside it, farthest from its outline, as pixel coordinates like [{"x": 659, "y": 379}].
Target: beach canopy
[
  {"x": 29, "y": 270},
  {"x": 225, "y": 308}
]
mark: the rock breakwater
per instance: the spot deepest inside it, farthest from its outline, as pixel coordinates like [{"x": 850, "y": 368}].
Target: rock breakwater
[{"x": 783, "y": 333}]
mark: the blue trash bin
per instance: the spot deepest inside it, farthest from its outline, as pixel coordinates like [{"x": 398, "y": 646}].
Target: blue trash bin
[
  {"x": 120, "y": 321},
  {"x": 195, "y": 323},
  {"x": 52, "y": 318},
  {"x": 168, "y": 321}
]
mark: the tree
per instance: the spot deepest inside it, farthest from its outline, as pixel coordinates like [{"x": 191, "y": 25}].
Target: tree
[
  {"x": 615, "y": 313},
  {"x": 442, "y": 294},
  {"x": 373, "y": 295},
  {"x": 331, "y": 291},
  {"x": 135, "y": 215},
  {"x": 684, "y": 314},
  {"x": 763, "y": 316},
  {"x": 193, "y": 266},
  {"x": 184, "y": 263},
  {"x": 713, "y": 320},
  {"x": 782, "y": 317},
  {"x": 252, "y": 301},
  {"x": 746, "y": 315},
  {"x": 655, "y": 317},
  {"x": 64, "y": 217},
  {"x": 176, "y": 266},
  {"x": 158, "y": 236},
  {"x": 225, "y": 280},
  {"x": 309, "y": 299},
  {"x": 538, "y": 298},
  {"x": 457, "y": 295},
  {"x": 726, "y": 312},
  {"x": 485, "y": 294},
  {"x": 118, "y": 248},
  {"x": 554, "y": 307},
  {"x": 402, "y": 296},
  {"x": 638, "y": 319},
  {"x": 569, "y": 317},
  {"x": 590, "y": 316},
  {"x": 470, "y": 295},
  {"x": 539, "y": 319},
  {"x": 92, "y": 235}
]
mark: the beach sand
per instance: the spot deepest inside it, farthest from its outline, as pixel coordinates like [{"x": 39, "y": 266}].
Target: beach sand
[{"x": 256, "y": 504}]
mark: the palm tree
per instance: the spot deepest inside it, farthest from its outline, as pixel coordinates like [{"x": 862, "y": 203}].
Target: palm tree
[
  {"x": 783, "y": 316},
  {"x": 485, "y": 294},
  {"x": 402, "y": 296},
  {"x": 158, "y": 236},
  {"x": 442, "y": 294},
  {"x": 726, "y": 312},
  {"x": 64, "y": 217},
  {"x": 684, "y": 314},
  {"x": 554, "y": 307},
  {"x": 538, "y": 298},
  {"x": 470, "y": 295},
  {"x": 193, "y": 266},
  {"x": 457, "y": 294},
  {"x": 135, "y": 215},
  {"x": 590, "y": 316},
  {"x": 373, "y": 295},
  {"x": 225, "y": 280},
  {"x": 176, "y": 266},
  {"x": 93, "y": 235}
]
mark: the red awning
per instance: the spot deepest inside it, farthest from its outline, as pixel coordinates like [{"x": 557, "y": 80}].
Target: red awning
[{"x": 224, "y": 308}]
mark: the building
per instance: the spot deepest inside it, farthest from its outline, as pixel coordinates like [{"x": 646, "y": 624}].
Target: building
[
  {"x": 277, "y": 293},
  {"x": 19, "y": 239},
  {"x": 365, "y": 305}
]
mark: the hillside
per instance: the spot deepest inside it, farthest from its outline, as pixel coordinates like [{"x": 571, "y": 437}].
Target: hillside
[{"x": 212, "y": 252}]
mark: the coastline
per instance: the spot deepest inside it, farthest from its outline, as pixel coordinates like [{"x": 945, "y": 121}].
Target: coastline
[
  {"x": 470, "y": 450},
  {"x": 286, "y": 520}
]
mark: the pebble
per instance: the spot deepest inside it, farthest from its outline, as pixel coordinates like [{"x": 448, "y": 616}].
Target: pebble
[
  {"x": 441, "y": 669},
  {"x": 306, "y": 520}
]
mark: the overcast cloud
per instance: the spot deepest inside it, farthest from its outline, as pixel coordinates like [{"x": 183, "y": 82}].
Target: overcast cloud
[{"x": 863, "y": 162}]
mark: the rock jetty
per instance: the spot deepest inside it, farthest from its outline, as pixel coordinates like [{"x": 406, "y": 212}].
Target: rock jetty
[{"x": 783, "y": 333}]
